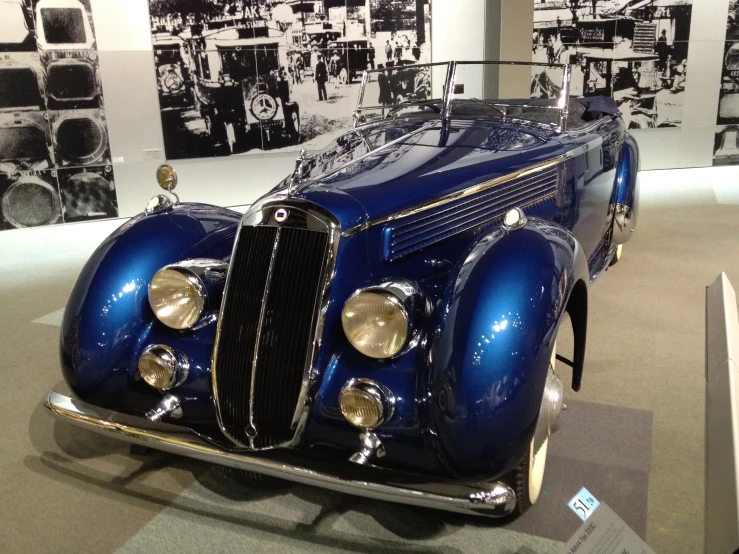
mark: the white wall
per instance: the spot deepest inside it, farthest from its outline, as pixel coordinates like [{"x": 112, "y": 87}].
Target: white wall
[
  {"x": 132, "y": 107},
  {"x": 458, "y": 31},
  {"x": 691, "y": 145},
  {"x": 134, "y": 124}
]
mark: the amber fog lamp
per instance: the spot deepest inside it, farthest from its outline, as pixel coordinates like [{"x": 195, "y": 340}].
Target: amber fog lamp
[
  {"x": 162, "y": 367},
  {"x": 375, "y": 323},
  {"x": 177, "y": 297},
  {"x": 365, "y": 403}
]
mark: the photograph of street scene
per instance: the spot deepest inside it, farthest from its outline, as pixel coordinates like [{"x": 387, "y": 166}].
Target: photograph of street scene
[
  {"x": 635, "y": 51},
  {"x": 726, "y": 144},
  {"x": 249, "y": 76}
]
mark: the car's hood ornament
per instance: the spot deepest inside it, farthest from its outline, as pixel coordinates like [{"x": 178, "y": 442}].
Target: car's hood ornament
[{"x": 297, "y": 177}]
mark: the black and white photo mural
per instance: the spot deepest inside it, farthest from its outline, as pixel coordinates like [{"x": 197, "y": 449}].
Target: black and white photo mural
[
  {"x": 635, "y": 51},
  {"x": 269, "y": 75},
  {"x": 54, "y": 151},
  {"x": 726, "y": 143}
]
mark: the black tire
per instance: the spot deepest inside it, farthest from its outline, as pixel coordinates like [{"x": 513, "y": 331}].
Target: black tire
[
  {"x": 518, "y": 480},
  {"x": 616, "y": 255},
  {"x": 291, "y": 112},
  {"x": 216, "y": 127}
]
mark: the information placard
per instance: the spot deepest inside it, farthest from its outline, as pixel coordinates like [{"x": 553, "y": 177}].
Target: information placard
[{"x": 603, "y": 532}]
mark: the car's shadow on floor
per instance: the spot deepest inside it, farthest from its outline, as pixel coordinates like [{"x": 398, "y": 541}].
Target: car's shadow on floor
[{"x": 80, "y": 449}]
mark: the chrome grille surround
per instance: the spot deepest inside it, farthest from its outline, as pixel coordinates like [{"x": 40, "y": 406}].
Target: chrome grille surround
[{"x": 305, "y": 216}]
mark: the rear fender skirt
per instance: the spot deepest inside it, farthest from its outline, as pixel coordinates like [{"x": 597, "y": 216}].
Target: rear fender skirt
[
  {"x": 625, "y": 200},
  {"x": 493, "y": 340}
]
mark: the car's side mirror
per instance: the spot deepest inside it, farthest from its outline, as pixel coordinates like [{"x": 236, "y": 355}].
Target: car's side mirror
[
  {"x": 459, "y": 88},
  {"x": 166, "y": 177}
]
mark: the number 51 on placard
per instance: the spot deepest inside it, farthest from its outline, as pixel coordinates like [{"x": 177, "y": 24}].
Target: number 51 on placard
[{"x": 583, "y": 504}]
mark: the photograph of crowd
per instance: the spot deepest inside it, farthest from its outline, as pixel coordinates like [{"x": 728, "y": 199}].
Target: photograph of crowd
[
  {"x": 635, "y": 51},
  {"x": 254, "y": 75},
  {"x": 51, "y": 116},
  {"x": 726, "y": 144}
]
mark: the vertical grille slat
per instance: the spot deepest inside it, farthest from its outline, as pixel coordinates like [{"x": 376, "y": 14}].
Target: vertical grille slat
[{"x": 288, "y": 316}]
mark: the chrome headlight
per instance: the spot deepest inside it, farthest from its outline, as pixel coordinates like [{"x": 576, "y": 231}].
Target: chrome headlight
[
  {"x": 377, "y": 320},
  {"x": 178, "y": 294}
]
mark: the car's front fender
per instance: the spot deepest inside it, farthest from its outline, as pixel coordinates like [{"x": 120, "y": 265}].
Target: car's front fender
[
  {"x": 491, "y": 349},
  {"x": 108, "y": 317}
]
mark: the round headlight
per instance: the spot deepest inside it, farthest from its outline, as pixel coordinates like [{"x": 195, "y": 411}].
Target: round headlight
[
  {"x": 177, "y": 297},
  {"x": 375, "y": 324},
  {"x": 365, "y": 403}
]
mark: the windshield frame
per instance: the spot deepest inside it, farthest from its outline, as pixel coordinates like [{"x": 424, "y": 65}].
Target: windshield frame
[{"x": 562, "y": 104}]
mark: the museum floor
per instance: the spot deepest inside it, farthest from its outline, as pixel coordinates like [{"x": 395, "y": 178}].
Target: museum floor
[{"x": 636, "y": 428}]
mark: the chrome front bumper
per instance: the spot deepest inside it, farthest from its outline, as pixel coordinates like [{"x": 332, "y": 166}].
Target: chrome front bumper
[{"x": 494, "y": 499}]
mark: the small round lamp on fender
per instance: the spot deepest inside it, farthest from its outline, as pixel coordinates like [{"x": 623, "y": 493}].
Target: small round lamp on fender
[
  {"x": 163, "y": 367},
  {"x": 365, "y": 403}
]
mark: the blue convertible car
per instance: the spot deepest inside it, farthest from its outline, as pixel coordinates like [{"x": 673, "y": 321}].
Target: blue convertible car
[{"x": 384, "y": 321}]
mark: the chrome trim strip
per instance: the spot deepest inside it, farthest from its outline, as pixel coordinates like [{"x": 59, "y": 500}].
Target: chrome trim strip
[
  {"x": 528, "y": 170},
  {"x": 302, "y": 409},
  {"x": 217, "y": 340},
  {"x": 252, "y": 432},
  {"x": 403, "y": 233},
  {"x": 524, "y": 201},
  {"x": 493, "y": 499}
]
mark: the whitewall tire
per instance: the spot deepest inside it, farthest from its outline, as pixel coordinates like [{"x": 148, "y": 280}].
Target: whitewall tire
[
  {"x": 617, "y": 254},
  {"x": 528, "y": 477}
]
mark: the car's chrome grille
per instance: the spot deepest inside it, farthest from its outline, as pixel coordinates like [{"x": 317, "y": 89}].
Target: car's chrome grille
[
  {"x": 266, "y": 332},
  {"x": 410, "y": 234}
]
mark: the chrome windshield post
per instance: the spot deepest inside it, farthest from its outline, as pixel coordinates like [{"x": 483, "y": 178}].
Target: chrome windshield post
[
  {"x": 451, "y": 75},
  {"x": 360, "y": 97},
  {"x": 564, "y": 99}
]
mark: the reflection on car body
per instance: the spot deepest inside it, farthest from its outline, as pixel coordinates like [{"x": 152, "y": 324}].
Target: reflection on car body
[{"x": 381, "y": 323}]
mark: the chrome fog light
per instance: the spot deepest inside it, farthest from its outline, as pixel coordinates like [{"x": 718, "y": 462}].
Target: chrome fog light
[
  {"x": 163, "y": 367},
  {"x": 365, "y": 403}
]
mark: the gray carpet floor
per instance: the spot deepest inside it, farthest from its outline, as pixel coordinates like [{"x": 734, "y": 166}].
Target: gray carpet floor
[{"x": 634, "y": 435}]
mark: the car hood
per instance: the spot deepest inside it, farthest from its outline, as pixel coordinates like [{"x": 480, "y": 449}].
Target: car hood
[{"x": 428, "y": 162}]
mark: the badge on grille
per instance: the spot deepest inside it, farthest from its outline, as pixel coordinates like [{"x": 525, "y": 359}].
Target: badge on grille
[{"x": 281, "y": 215}]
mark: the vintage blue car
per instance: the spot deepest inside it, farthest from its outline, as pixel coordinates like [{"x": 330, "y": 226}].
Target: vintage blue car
[{"x": 384, "y": 321}]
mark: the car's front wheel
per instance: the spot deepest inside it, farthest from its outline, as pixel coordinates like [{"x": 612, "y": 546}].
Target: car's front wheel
[
  {"x": 617, "y": 255},
  {"x": 528, "y": 476}
]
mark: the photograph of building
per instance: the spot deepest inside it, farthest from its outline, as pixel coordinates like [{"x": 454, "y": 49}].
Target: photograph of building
[
  {"x": 251, "y": 76},
  {"x": 635, "y": 51}
]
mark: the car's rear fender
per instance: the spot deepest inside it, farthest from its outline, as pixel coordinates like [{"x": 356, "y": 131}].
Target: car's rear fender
[
  {"x": 108, "y": 321},
  {"x": 491, "y": 348},
  {"x": 625, "y": 200}
]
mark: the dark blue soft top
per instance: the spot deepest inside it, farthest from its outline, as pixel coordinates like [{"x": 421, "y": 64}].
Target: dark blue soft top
[{"x": 598, "y": 106}]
